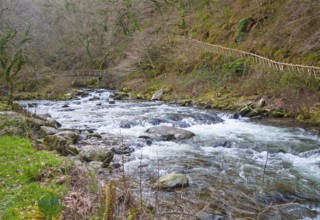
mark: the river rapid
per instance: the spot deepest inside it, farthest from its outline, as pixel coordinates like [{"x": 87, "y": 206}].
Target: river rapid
[{"x": 237, "y": 168}]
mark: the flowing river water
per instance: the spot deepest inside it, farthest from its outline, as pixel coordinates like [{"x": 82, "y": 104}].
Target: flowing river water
[{"x": 237, "y": 168}]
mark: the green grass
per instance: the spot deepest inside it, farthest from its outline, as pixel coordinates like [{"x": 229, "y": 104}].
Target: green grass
[
  {"x": 21, "y": 182},
  {"x": 4, "y": 107}
]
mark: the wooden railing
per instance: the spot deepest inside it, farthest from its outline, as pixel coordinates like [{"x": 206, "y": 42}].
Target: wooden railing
[{"x": 279, "y": 66}]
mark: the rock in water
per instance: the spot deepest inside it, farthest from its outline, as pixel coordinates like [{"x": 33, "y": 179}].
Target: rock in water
[
  {"x": 157, "y": 95},
  {"x": 96, "y": 153},
  {"x": 172, "y": 180},
  {"x": 168, "y": 133}
]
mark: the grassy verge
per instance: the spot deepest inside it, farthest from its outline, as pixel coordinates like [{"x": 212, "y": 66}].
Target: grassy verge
[{"x": 26, "y": 176}]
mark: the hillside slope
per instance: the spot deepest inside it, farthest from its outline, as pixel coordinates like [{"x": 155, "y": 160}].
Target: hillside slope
[{"x": 268, "y": 28}]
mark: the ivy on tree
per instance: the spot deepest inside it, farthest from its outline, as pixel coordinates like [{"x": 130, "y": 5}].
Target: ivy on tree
[{"x": 12, "y": 57}]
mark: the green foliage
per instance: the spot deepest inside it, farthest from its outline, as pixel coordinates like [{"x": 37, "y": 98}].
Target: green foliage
[
  {"x": 234, "y": 68},
  {"x": 242, "y": 28},
  {"x": 50, "y": 206},
  {"x": 4, "y": 107},
  {"x": 12, "y": 59},
  {"x": 20, "y": 166}
]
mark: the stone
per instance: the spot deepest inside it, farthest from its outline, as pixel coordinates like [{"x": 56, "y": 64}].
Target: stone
[
  {"x": 128, "y": 124},
  {"x": 115, "y": 165},
  {"x": 94, "y": 153},
  {"x": 261, "y": 103},
  {"x": 157, "y": 95},
  {"x": 112, "y": 102},
  {"x": 168, "y": 133},
  {"x": 45, "y": 130},
  {"x": 172, "y": 181},
  {"x": 94, "y": 135},
  {"x": 184, "y": 102},
  {"x": 121, "y": 96},
  {"x": 244, "y": 111},
  {"x": 108, "y": 159},
  {"x": 122, "y": 150},
  {"x": 276, "y": 114},
  {"x": 71, "y": 136},
  {"x": 95, "y": 164},
  {"x": 60, "y": 144},
  {"x": 94, "y": 98}
]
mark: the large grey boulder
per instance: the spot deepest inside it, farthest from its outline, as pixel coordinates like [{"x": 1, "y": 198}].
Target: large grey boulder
[
  {"x": 71, "y": 136},
  {"x": 96, "y": 153},
  {"x": 157, "y": 95},
  {"x": 172, "y": 180},
  {"x": 168, "y": 133}
]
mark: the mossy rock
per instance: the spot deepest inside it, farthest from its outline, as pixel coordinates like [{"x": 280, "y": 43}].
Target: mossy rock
[
  {"x": 276, "y": 114},
  {"x": 60, "y": 144},
  {"x": 121, "y": 96}
]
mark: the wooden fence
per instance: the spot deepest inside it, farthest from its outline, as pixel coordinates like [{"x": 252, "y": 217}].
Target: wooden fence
[{"x": 280, "y": 66}]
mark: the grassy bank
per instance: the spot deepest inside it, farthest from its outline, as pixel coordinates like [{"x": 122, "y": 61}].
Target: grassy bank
[
  {"x": 27, "y": 175},
  {"x": 40, "y": 184}
]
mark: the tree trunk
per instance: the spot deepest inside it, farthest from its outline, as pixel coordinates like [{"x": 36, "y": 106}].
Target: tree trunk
[{"x": 10, "y": 91}]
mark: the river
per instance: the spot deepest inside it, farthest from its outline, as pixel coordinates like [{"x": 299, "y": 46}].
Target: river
[{"x": 237, "y": 168}]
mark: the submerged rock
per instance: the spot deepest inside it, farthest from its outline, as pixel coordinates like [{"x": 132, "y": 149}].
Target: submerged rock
[
  {"x": 168, "y": 133},
  {"x": 172, "y": 180},
  {"x": 94, "y": 98}
]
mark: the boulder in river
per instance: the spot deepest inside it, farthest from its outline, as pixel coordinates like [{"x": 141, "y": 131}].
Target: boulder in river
[
  {"x": 123, "y": 150},
  {"x": 172, "y": 180},
  {"x": 168, "y": 133},
  {"x": 95, "y": 153},
  {"x": 71, "y": 136}
]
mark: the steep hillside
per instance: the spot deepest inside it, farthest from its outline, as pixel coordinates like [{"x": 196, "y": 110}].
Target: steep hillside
[{"x": 268, "y": 28}]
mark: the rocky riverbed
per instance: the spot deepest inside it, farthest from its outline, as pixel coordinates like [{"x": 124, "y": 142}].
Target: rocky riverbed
[{"x": 230, "y": 167}]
